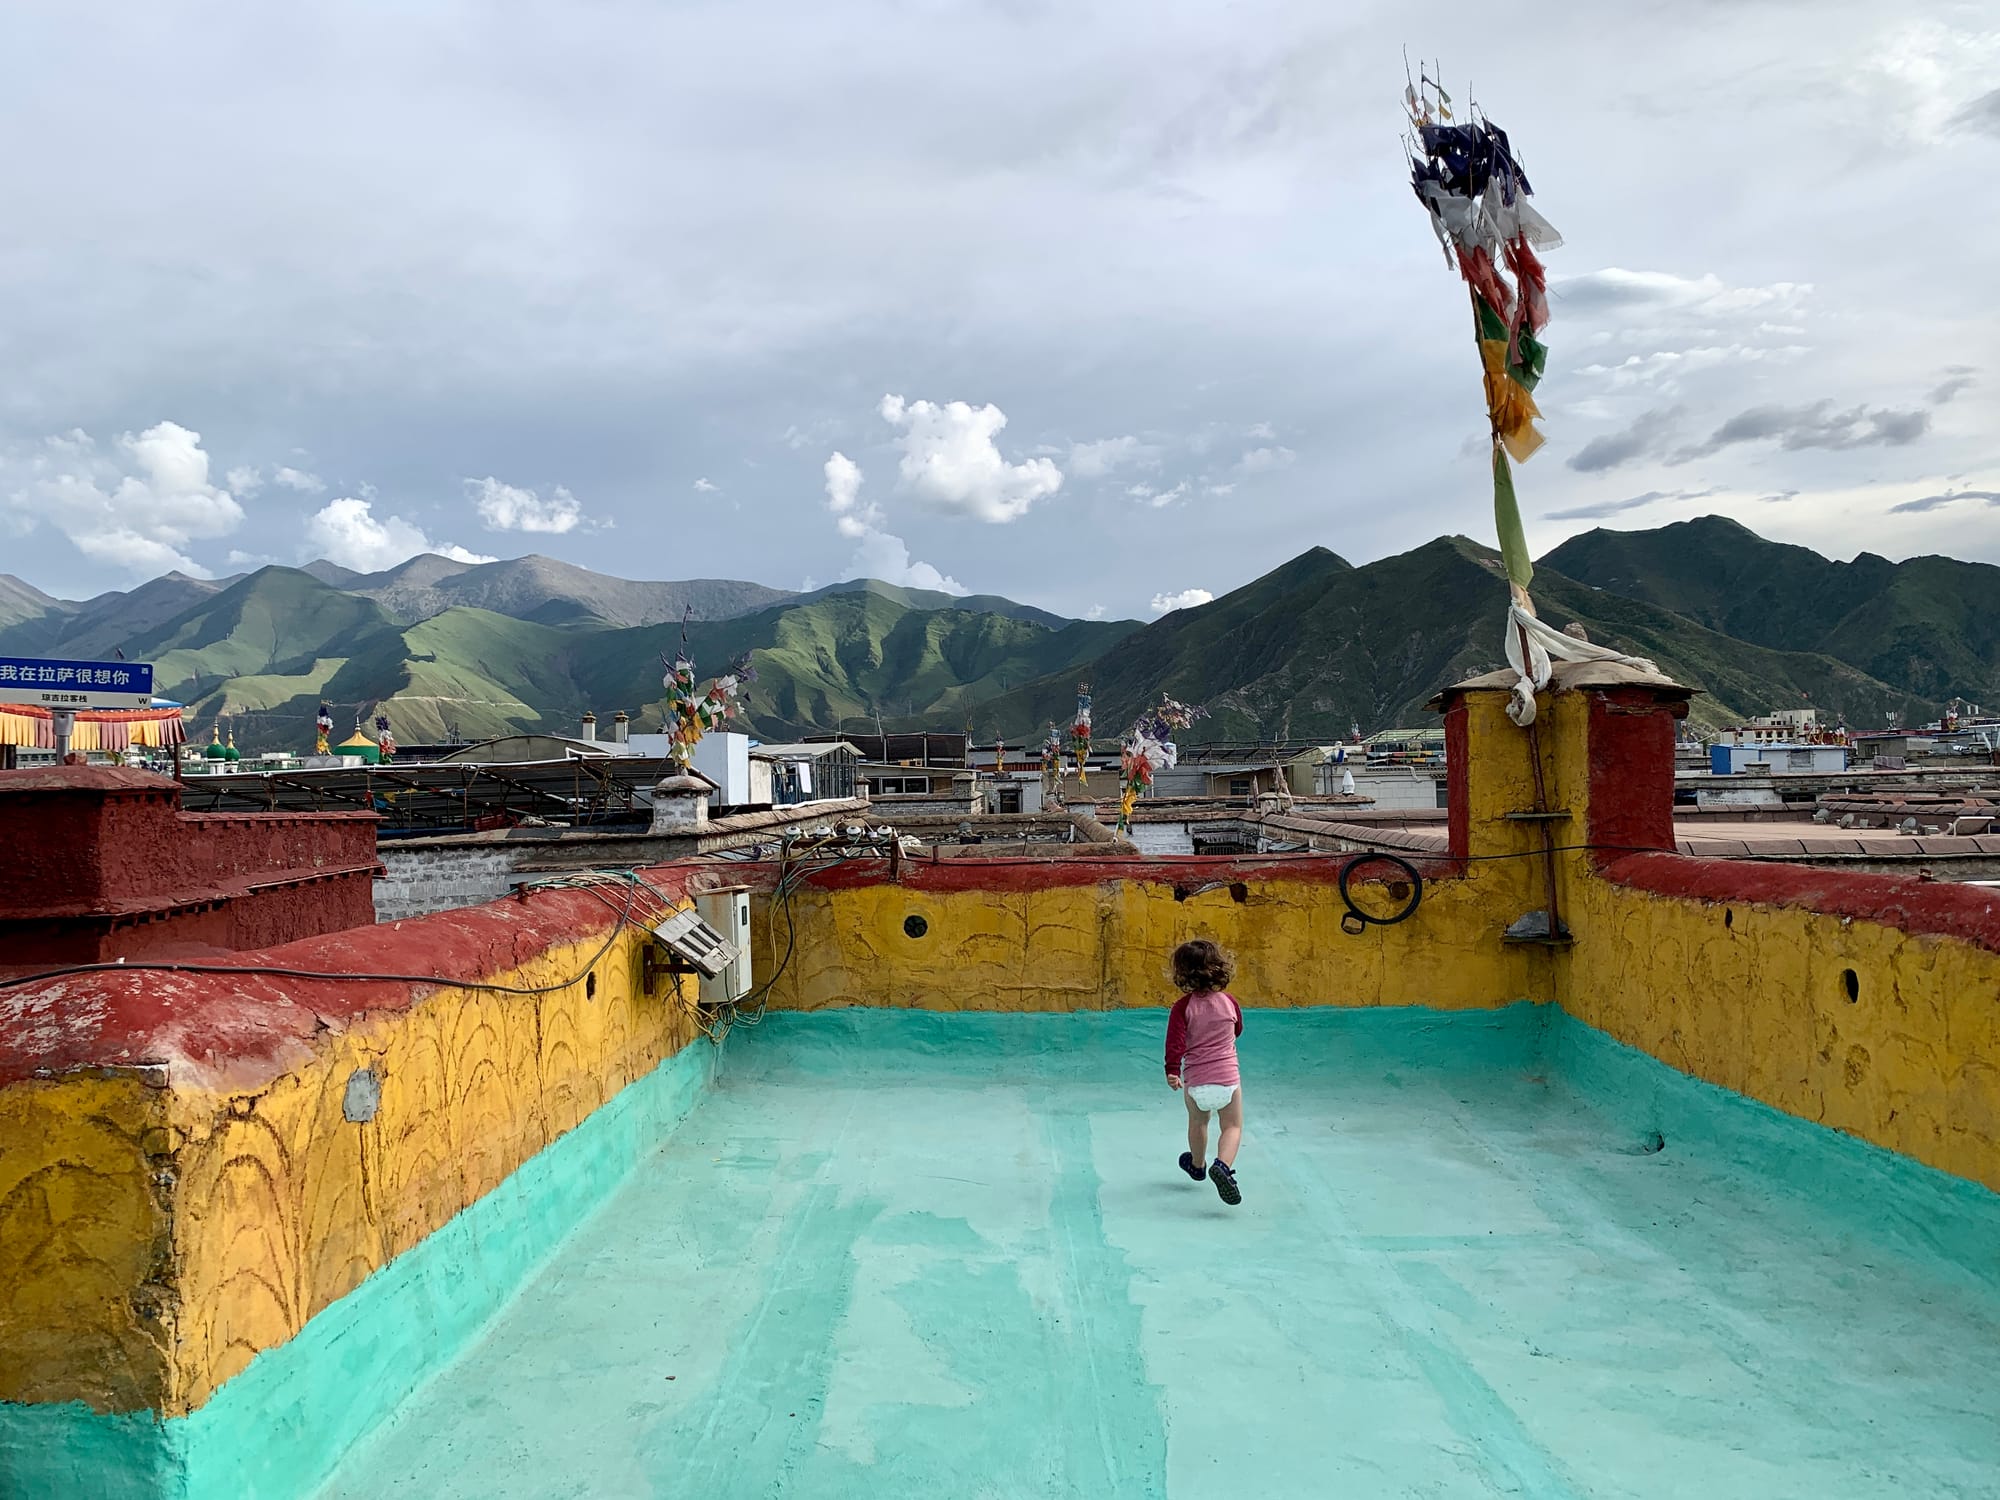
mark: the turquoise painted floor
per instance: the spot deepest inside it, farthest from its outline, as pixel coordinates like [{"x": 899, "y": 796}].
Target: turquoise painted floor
[{"x": 902, "y": 1255}]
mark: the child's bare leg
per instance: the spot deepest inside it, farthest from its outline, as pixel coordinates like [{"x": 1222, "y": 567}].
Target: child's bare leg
[
  {"x": 1197, "y": 1130},
  {"x": 1232, "y": 1130}
]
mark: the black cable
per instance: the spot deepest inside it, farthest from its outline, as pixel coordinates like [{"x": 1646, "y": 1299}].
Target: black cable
[
  {"x": 173, "y": 966},
  {"x": 1416, "y": 882},
  {"x": 787, "y": 885},
  {"x": 625, "y": 918}
]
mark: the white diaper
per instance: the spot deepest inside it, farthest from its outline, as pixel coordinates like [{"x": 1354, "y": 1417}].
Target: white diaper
[{"x": 1209, "y": 1097}]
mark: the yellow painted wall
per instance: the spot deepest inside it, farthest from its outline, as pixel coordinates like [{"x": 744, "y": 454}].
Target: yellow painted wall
[
  {"x": 137, "y": 1295},
  {"x": 1107, "y": 945},
  {"x": 1751, "y": 996},
  {"x": 1759, "y": 1006},
  {"x": 1756, "y": 1005},
  {"x": 86, "y": 1242}
]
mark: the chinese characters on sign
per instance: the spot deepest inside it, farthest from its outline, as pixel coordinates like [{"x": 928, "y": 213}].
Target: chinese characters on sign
[{"x": 75, "y": 684}]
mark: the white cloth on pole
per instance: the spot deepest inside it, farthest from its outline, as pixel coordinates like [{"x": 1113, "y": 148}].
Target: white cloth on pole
[{"x": 1545, "y": 642}]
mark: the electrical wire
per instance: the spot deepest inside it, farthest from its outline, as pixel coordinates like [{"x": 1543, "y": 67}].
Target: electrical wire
[
  {"x": 750, "y": 1009},
  {"x": 791, "y": 877},
  {"x": 186, "y": 966},
  {"x": 1369, "y": 919}
]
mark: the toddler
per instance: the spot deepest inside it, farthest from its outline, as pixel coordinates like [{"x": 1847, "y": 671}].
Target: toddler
[{"x": 1201, "y": 1061}]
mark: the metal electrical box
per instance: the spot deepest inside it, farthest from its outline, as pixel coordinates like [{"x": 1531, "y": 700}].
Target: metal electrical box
[{"x": 728, "y": 912}]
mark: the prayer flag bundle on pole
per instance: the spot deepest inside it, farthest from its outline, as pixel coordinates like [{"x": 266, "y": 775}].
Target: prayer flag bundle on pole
[
  {"x": 1149, "y": 748},
  {"x": 1052, "y": 763},
  {"x": 1079, "y": 733},
  {"x": 692, "y": 712},
  {"x": 1471, "y": 184}
]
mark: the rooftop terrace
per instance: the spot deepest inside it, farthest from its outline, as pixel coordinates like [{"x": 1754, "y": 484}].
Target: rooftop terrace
[
  {"x": 952, "y": 1256},
  {"x": 1603, "y": 1171}
]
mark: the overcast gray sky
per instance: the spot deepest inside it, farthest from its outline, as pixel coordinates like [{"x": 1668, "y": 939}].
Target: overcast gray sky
[{"x": 1100, "y": 306}]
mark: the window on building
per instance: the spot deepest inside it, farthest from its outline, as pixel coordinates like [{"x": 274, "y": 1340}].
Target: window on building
[
  {"x": 1239, "y": 786},
  {"x": 1010, "y": 799},
  {"x": 1798, "y": 760},
  {"x": 833, "y": 773}
]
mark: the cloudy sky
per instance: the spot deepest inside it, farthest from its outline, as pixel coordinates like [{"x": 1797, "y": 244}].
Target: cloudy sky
[{"x": 1100, "y": 307}]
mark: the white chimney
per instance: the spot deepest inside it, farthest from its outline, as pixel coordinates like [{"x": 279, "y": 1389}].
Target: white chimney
[
  {"x": 621, "y": 727},
  {"x": 589, "y": 729},
  {"x": 680, "y": 804}
]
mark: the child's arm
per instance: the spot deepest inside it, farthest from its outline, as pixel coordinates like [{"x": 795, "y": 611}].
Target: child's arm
[
  {"x": 1176, "y": 1039},
  {"x": 1238, "y": 1004}
]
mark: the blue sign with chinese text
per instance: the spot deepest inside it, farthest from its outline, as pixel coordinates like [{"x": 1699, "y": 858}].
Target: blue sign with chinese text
[{"x": 75, "y": 684}]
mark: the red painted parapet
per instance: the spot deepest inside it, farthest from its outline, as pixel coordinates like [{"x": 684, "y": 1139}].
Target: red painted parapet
[
  {"x": 1927, "y": 908},
  {"x": 99, "y": 863},
  {"x": 1629, "y": 801},
  {"x": 1631, "y": 787},
  {"x": 245, "y": 1017}
]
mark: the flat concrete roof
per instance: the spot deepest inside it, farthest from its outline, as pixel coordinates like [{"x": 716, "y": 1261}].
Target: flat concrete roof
[{"x": 900, "y": 1254}]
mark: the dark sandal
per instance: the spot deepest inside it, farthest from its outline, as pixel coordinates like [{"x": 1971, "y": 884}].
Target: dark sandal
[
  {"x": 1188, "y": 1166},
  {"x": 1224, "y": 1179}
]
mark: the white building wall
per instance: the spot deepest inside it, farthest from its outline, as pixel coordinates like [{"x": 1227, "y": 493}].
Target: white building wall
[
  {"x": 1162, "y": 838},
  {"x": 724, "y": 758},
  {"x": 1395, "y": 788}
]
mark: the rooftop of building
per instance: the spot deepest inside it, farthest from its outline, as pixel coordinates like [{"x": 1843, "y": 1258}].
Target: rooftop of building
[
  {"x": 1689, "y": 1189},
  {"x": 952, "y": 1255}
]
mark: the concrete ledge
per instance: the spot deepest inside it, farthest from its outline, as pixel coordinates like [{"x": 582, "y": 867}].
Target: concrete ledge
[
  {"x": 240, "y": 1183},
  {"x": 278, "y": 1429}
]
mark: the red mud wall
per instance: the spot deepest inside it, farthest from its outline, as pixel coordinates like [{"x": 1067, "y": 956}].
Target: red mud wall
[{"x": 101, "y": 863}]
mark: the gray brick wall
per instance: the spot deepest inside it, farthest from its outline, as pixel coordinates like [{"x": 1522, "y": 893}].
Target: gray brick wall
[{"x": 420, "y": 881}]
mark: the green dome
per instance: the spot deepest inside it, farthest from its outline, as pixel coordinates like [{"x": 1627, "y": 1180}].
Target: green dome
[{"x": 215, "y": 751}]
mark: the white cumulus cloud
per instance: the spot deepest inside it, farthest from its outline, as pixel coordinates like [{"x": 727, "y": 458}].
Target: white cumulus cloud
[
  {"x": 136, "y": 504},
  {"x": 883, "y": 556},
  {"x": 843, "y": 497},
  {"x": 951, "y": 462},
  {"x": 879, "y": 553},
  {"x": 347, "y": 531},
  {"x": 507, "y": 507},
  {"x": 1165, "y": 604},
  {"x": 705, "y": 486},
  {"x": 300, "y": 480}
]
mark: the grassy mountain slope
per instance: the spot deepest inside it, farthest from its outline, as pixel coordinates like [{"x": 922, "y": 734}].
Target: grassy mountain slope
[
  {"x": 1303, "y": 652},
  {"x": 331, "y": 573},
  {"x": 844, "y": 656},
  {"x": 1318, "y": 645},
  {"x": 470, "y": 672},
  {"x": 911, "y": 598},
  {"x": 553, "y": 592},
  {"x": 264, "y": 652},
  {"x": 277, "y": 621},
  {"x": 21, "y": 601},
  {"x": 99, "y": 626},
  {"x": 1928, "y": 626}
]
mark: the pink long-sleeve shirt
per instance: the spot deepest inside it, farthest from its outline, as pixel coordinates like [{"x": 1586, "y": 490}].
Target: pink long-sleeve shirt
[{"x": 1201, "y": 1038}]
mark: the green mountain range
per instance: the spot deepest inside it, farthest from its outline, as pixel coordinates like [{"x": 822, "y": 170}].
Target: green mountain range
[
  {"x": 449, "y": 649},
  {"x": 1318, "y": 644}
]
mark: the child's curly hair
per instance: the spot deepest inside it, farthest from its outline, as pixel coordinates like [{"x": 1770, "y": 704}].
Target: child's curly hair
[{"x": 1200, "y": 967}]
